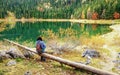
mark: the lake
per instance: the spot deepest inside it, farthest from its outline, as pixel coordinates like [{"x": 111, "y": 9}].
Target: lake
[{"x": 29, "y": 31}]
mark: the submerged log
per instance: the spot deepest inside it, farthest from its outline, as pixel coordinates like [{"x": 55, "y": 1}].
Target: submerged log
[{"x": 66, "y": 62}]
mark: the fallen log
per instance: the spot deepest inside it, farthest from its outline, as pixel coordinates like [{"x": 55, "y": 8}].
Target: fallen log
[{"x": 66, "y": 62}]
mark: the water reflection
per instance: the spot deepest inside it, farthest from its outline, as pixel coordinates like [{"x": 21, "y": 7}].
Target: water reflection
[{"x": 29, "y": 31}]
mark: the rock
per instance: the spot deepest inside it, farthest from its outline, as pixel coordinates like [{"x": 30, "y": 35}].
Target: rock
[
  {"x": 119, "y": 55},
  {"x": 14, "y": 53},
  {"x": 7, "y": 56},
  {"x": 118, "y": 67},
  {"x": 3, "y": 55},
  {"x": 116, "y": 61},
  {"x": 88, "y": 60},
  {"x": 28, "y": 54},
  {"x": 11, "y": 63},
  {"x": 91, "y": 53},
  {"x": 28, "y": 73}
]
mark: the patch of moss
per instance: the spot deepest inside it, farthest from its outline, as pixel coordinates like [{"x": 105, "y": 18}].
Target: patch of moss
[{"x": 1, "y": 72}]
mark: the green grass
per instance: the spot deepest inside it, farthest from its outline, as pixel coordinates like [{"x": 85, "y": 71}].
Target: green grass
[
  {"x": 48, "y": 68},
  {"x": 1, "y": 72}
]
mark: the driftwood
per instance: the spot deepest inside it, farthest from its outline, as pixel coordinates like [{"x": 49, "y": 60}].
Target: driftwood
[{"x": 66, "y": 62}]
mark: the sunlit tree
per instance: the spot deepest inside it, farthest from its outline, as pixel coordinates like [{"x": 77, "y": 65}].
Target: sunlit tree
[
  {"x": 95, "y": 16},
  {"x": 116, "y": 15}
]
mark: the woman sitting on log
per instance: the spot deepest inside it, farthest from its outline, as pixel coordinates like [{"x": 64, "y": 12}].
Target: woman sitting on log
[{"x": 40, "y": 47}]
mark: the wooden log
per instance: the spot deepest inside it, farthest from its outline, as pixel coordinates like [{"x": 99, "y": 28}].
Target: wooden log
[{"x": 66, "y": 62}]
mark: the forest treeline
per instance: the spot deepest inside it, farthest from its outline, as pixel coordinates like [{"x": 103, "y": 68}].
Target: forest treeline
[{"x": 65, "y": 9}]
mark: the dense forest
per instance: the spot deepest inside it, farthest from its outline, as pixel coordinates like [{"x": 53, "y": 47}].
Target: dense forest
[{"x": 85, "y": 9}]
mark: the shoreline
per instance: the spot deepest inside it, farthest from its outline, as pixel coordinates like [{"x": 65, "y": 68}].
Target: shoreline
[{"x": 62, "y": 20}]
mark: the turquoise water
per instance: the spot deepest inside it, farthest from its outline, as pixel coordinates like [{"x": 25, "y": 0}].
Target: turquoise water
[{"x": 30, "y": 31}]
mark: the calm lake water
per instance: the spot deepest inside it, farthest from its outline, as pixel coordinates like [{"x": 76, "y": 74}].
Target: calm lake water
[{"x": 30, "y": 31}]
